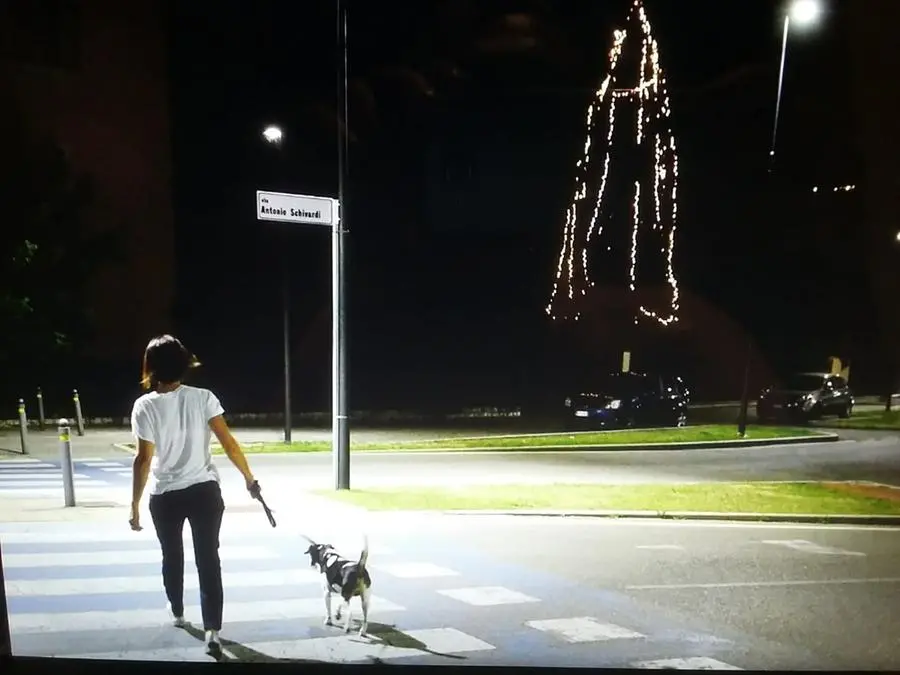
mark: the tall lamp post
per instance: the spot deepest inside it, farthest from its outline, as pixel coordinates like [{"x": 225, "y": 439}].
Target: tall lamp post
[
  {"x": 274, "y": 135},
  {"x": 340, "y": 426},
  {"x": 803, "y": 13}
]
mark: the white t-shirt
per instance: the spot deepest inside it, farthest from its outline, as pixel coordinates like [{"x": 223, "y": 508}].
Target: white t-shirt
[{"x": 177, "y": 423}]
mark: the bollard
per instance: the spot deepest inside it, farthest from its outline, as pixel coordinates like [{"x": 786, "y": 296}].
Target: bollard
[
  {"x": 68, "y": 470},
  {"x": 79, "y": 420},
  {"x": 23, "y": 427},
  {"x": 41, "y": 420}
]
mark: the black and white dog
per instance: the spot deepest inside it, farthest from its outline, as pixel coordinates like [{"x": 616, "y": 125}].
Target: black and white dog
[{"x": 349, "y": 578}]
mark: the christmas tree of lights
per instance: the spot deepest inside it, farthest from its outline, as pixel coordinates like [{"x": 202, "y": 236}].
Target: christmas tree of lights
[{"x": 653, "y": 202}]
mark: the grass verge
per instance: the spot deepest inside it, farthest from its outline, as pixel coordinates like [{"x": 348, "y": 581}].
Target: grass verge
[
  {"x": 874, "y": 420},
  {"x": 704, "y": 433},
  {"x": 768, "y": 498}
]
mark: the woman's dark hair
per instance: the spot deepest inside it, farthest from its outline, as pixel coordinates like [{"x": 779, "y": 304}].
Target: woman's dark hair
[{"x": 166, "y": 360}]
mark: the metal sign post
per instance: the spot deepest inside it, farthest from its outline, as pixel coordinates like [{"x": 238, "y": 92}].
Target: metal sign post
[{"x": 311, "y": 210}]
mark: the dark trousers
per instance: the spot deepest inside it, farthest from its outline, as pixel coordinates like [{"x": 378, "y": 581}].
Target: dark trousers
[{"x": 202, "y": 506}]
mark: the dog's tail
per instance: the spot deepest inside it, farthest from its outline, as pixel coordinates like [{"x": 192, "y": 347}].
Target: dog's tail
[{"x": 364, "y": 556}]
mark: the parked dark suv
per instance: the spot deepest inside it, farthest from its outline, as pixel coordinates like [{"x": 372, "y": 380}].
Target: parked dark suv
[
  {"x": 631, "y": 400},
  {"x": 804, "y": 397}
]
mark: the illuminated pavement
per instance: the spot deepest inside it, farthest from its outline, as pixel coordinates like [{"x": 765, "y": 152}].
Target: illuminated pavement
[{"x": 480, "y": 591}]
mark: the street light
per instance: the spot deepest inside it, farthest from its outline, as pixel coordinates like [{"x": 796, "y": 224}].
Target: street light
[
  {"x": 804, "y": 13},
  {"x": 273, "y": 135}
]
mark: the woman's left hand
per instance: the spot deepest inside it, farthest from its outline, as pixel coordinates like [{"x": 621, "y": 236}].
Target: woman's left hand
[{"x": 135, "y": 520}]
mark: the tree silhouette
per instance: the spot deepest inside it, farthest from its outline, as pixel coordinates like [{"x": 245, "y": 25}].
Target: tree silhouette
[
  {"x": 623, "y": 214},
  {"x": 47, "y": 255}
]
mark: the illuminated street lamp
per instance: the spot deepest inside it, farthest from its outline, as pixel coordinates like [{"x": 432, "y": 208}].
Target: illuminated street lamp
[
  {"x": 273, "y": 134},
  {"x": 803, "y": 13}
]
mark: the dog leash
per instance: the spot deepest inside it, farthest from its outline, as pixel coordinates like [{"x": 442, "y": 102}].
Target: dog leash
[{"x": 256, "y": 493}]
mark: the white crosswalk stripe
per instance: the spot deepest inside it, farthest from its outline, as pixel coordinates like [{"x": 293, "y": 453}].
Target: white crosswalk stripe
[
  {"x": 262, "y": 610},
  {"x": 30, "y": 478},
  {"x": 48, "y": 587},
  {"x": 107, "y": 558}
]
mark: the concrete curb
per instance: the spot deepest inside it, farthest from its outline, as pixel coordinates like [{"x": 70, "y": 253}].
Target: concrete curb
[
  {"x": 824, "y": 437},
  {"x": 861, "y": 428},
  {"x": 830, "y": 519}
]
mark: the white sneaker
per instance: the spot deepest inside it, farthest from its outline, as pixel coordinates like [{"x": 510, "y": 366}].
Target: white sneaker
[
  {"x": 177, "y": 621},
  {"x": 213, "y": 644}
]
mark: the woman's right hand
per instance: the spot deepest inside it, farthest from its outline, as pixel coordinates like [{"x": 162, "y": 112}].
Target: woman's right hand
[{"x": 253, "y": 487}]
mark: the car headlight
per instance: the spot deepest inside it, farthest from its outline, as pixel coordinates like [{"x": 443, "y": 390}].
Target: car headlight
[
  {"x": 615, "y": 405},
  {"x": 809, "y": 402},
  {"x": 568, "y": 403}
]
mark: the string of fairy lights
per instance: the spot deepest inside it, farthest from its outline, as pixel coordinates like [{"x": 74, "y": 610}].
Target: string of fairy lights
[{"x": 652, "y": 99}]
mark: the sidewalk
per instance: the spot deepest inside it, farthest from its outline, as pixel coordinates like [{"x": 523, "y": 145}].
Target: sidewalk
[
  {"x": 112, "y": 505},
  {"x": 101, "y": 443},
  {"x": 96, "y": 443}
]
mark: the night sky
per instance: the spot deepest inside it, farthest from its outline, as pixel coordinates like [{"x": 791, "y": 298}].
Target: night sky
[{"x": 466, "y": 119}]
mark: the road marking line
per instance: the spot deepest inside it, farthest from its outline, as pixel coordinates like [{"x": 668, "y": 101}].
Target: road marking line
[
  {"x": 415, "y": 570},
  {"x": 11, "y": 486},
  {"x": 337, "y": 649},
  {"x": 809, "y": 547},
  {"x": 763, "y": 584},
  {"x": 690, "y": 663},
  {"x": 581, "y": 521},
  {"x": 238, "y": 527},
  {"x": 270, "y": 611},
  {"x": 32, "y": 588},
  {"x": 661, "y": 547},
  {"x": 349, "y": 649},
  {"x": 31, "y": 476},
  {"x": 102, "y": 558},
  {"x": 584, "y": 629},
  {"x": 485, "y": 596},
  {"x": 194, "y": 654}
]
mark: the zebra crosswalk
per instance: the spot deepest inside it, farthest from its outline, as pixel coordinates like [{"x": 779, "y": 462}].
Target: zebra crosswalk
[
  {"x": 29, "y": 477},
  {"x": 89, "y": 590}
]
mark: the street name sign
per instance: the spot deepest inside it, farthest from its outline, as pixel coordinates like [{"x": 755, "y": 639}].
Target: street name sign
[{"x": 288, "y": 208}]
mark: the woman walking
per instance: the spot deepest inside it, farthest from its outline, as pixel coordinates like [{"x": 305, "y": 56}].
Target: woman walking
[{"x": 172, "y": 424}]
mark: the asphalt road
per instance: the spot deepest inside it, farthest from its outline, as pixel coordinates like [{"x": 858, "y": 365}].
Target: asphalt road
[
  {"x": 782, "y": 597},
  {"x": 875, "y": 456},
  {"x": 480, "y": 591}
]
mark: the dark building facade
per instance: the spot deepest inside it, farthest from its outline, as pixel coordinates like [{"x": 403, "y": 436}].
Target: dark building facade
[{"x": 92, "y": 74}]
